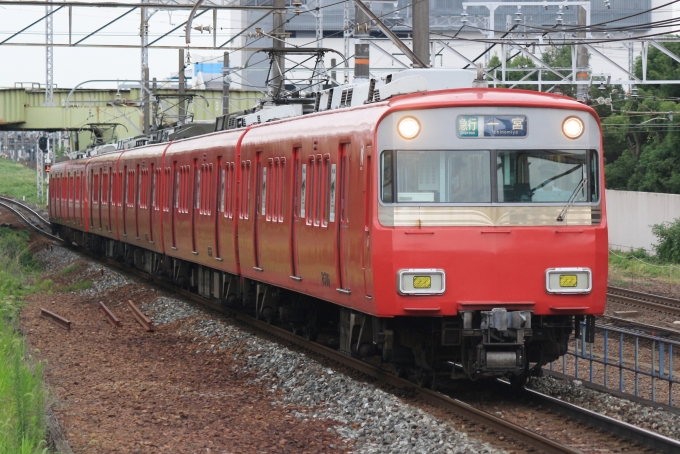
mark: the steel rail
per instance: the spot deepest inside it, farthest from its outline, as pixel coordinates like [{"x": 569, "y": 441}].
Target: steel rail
[
  {"x": 637, "y": 325},
  {"x": 56, "y": 319},
  {"x": 30, "y": 224},
  {"x": 643, "y": 295},
  {"x": 644, "y": 437},
  {"x": 647, "y": 300},
  {"x": 110, "y": 316},
  {"x": 141, "y": 318},
  {"x": 7, "y": 199}
]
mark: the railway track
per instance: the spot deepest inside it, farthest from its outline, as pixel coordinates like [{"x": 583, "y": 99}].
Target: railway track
[
  {"x": 30, "y": 217},
  {"x": 645, "y": 300},
  {"x": 535, "y": 441}
]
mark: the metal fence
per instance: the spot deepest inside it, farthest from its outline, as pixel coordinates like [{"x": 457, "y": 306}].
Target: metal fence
[{"x": 647, "y": 373}]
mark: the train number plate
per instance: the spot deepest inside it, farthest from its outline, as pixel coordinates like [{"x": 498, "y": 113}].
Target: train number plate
[
  {"x": 422, "y": 282},
  {"x": 568, "y": 280}
]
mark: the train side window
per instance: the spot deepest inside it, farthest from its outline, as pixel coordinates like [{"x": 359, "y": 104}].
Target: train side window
[
  {"x": 281, "y": 180},
  {"x": 270, "y": 190},
  {"x": 333, "y": 193},
  {"x": 318, "y": 192},
  {"x": 231, "y": 200},
  {"x": 175, "y": 202},
  {"x": 223, "y": 175},
  {"x": 197, "y": 188},
  {"x": 263, "y": 187},
  {"x": 386, "y": 170},
  {"x": 154, "y": 202},
  {"x": 209, "y": 191},
  {"x": 303, "y": 190},
  {"x": 112, "y": 176},
  {"x": 138, "y": 185},
  {"x": 243, "y": 190},
  {"x": 327, "y": 190},
  {"x": 229, "y": 196},
  {"x": 168, "y": 184},
  {"x": 249, "y": 176},
  {"x": 105, "y": 188},
  {"x": 95, "y": 191},
  {"x": 310, "y": 192}
]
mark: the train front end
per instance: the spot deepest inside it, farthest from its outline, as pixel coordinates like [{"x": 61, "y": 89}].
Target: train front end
[{"x": 490, "y": 237}]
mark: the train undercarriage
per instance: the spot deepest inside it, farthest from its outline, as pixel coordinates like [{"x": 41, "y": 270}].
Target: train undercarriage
[{"x": 500, "y": 343}]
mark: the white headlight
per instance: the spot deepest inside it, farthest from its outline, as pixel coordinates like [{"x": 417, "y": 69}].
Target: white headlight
[
  {"x": 573, "y": 127},
  {"x": 408, "y": 128}
]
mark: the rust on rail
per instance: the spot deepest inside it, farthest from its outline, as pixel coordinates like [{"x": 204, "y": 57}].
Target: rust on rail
[
  {"x": 141, "y": 318},
  {"x": 112, "y": 319},
  {"x": 54, "y": 318}
]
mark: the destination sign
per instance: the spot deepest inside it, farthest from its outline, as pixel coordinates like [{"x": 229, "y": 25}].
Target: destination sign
[{"x": 491, "y": 126}]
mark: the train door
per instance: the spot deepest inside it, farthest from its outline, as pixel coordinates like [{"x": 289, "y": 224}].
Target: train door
[
  {"x": 175, "y": 202},
  {"x": 260, "y": 204},
  {"x": 296, "y": 215},
  {"x": 368, "y": 200},
  {"x": 196, "y": 204},
  {"x": 152, "y": 208},
  {"x": 100, "y": 189},
  {"x": 125, "y": 199},
  {"x": 138, "y": 188},
  {"x": 112, "y": 175},
  {"x": 343, "y": 224},
  {"x": 219, "y": 204}
]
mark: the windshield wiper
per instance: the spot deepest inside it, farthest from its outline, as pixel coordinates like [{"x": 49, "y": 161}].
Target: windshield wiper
[{"x": 560, "y": 217}]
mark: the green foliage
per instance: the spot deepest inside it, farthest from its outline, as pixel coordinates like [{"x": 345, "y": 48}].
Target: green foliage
[
  {"x": 70, "y": 269},
  {"x": 641, "y": 139},
  {"x": 17, "y": 181},
  {"x": 668, "y": 247},
  {"x": 22, "y": 401},
  {"x": 76, "y": 286}
]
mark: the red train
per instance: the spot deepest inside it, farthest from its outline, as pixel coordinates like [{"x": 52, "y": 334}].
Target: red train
[{"x": 454, "y": 230}]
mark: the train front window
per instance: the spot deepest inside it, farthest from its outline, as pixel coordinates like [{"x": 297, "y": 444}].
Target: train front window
[
  {"x": 535, "y": 176},
  {"x": 465, "y": 176},
  {"x": 444, "y": 176}
]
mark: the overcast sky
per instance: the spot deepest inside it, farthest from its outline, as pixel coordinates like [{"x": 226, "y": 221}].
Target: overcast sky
[{"x": 73, "y": 66}]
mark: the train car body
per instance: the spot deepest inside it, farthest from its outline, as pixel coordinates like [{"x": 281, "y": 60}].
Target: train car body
[{"x": 448, "y": 231}]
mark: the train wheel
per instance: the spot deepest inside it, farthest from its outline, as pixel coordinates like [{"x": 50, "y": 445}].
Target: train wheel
[
  {"x": 519, "y": 381},
  {"x": 424, "y": 378},
  {"x": 310, "y": 333},
  {"x": 401, "y": 372}
]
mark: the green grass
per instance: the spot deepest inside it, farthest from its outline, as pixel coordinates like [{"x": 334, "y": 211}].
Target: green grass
[
  {"x": 70, "y": 269},
  {"x": 82, "y": 285},
  {"x": 22, "y": 401},
  {"x": 17, "y": 181},
  {"x": 627, "y": 267}
]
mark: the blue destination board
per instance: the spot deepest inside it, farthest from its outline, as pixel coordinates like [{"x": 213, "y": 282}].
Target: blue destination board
[{"x": 491, "y": 126}]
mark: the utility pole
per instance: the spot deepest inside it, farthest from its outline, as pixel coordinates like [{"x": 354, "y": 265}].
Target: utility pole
[
  {"x": 346, "y": 34},
  {"x": 145, "y": 100},
  {"x": 421, "y": 30},
  {"x": 225, "y": 85},
  {"x": 279, "y": 64},
  {"x": 144, "y": 36},
  {"x": 361, "y": 50},
  {"x": 582, "y": 58},
  {"x": 49, "y": 56},
  {"x": 180, "y": 87}
]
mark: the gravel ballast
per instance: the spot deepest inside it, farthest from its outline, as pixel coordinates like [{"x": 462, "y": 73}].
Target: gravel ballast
[
  {"x": 655, "y": 419},
  {"x": 374, "y": 420}
]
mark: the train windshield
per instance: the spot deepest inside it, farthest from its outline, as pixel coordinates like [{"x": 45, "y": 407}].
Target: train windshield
[{"x": 465, "y": 176}]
